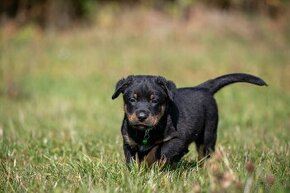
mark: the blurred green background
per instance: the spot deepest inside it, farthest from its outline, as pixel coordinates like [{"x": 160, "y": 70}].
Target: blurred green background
[{"x": 60, "y": 60}]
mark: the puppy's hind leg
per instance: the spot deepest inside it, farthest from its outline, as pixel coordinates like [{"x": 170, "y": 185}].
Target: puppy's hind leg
[
  {"x": 210, "y": 130},
  {"x": 205, "y": 145}
]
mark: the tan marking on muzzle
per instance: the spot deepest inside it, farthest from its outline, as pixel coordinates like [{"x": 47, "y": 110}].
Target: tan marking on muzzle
[
  {"x": 150, "y": 120},
  {"x": 131, "y": 117},
  {"x": 154, "y": 119}
]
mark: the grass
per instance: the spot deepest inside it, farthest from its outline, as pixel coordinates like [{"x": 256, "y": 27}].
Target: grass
[{"x": 59, "y": 128}]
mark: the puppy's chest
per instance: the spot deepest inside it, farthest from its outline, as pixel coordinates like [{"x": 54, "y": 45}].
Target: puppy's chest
[{"x": 143, "y": 143}]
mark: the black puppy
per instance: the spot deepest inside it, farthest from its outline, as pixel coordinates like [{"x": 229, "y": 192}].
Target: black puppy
[{"x": 161, "y": 121}]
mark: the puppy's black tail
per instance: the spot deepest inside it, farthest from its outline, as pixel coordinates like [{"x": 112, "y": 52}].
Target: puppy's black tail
[{"x": 216, "y": 84}]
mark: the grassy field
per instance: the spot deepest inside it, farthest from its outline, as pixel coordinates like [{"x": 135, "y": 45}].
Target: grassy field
[{"x": 60, "y": 130}]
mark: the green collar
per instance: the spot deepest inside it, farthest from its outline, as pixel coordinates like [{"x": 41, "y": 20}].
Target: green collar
[{"x": 146, "y": 136}]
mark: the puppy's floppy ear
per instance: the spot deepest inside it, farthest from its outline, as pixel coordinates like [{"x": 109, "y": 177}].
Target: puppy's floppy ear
[
  {"x": 121, "y": 86},
  {"x": 167, "y": 85}
]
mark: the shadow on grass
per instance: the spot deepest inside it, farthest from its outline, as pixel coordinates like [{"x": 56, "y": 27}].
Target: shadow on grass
[{"x": 182, "y": 165}]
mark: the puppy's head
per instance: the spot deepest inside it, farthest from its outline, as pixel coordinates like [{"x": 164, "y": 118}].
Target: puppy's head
[{"x": 145, "y": 99}]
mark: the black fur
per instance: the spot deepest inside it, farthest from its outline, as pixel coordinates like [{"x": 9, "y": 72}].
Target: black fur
[{"x": 169, "y": 119}]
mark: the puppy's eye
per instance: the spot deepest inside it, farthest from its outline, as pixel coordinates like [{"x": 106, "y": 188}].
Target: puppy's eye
[{"x": 132, "y": 100}]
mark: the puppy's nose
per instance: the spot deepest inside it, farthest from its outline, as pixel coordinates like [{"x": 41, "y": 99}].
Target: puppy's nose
[{"x": 142, "y": 115}]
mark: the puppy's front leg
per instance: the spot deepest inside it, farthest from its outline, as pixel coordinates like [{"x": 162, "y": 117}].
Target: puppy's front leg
[
  {"x": 129, "y": 153},
  {"x": 172, "y": 151}
]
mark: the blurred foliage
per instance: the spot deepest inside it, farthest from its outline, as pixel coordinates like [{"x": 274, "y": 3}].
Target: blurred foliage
[
  {"x": 63, "y": 14},
  {"x": 47, "y": 13}
]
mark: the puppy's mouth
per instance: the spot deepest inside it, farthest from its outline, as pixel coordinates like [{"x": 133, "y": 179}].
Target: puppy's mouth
[{"x": 142, "y": 126}]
